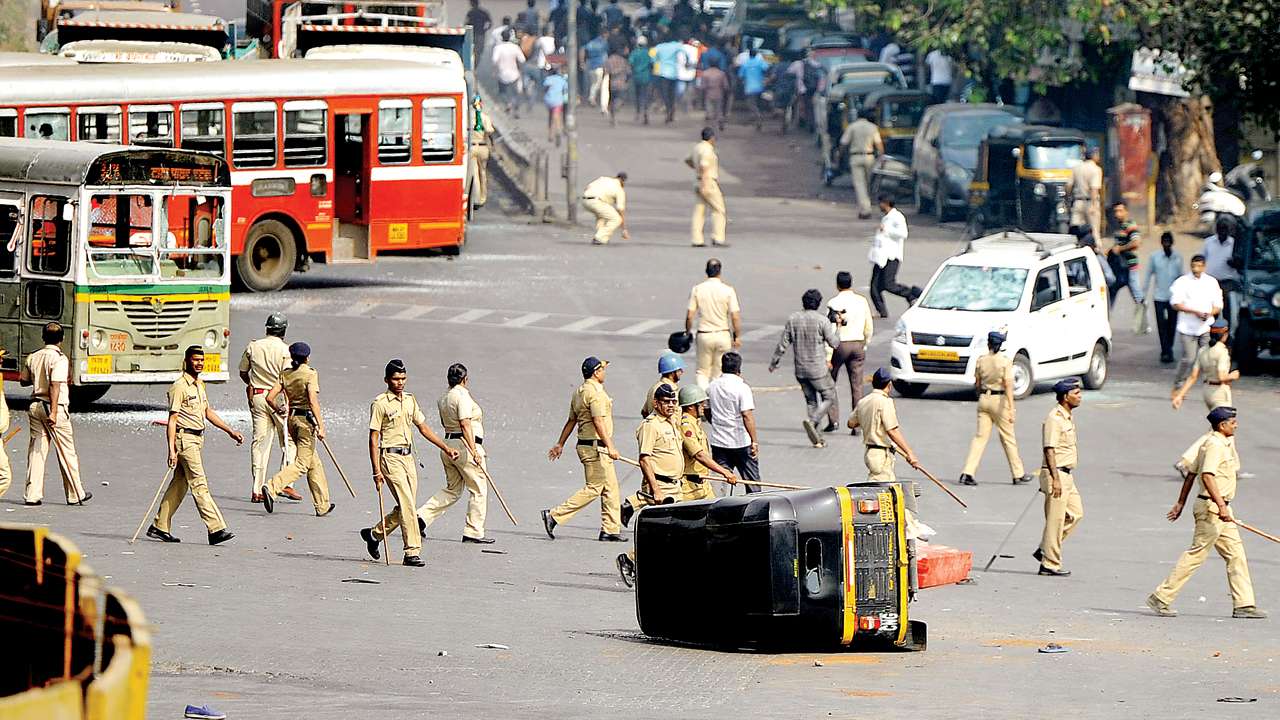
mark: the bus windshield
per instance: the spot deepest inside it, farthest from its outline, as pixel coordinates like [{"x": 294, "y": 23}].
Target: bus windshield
[
  {"x": 196, "y": 241},
  {"x": 120, "y": 234},
  {"x": 122, "y": 238}
]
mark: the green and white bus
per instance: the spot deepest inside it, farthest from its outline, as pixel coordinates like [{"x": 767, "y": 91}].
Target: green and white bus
[{"x": 126, "y": 247}]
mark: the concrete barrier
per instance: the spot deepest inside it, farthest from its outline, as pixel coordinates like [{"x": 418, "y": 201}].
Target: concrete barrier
[
  {"x": 941, "y": 565},
  {"x": 522, "y": 164}
]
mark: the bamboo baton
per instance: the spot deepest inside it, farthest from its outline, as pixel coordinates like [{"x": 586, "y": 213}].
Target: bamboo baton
[
  {"x": 12, "y": 432},
  {"x": 498, "y": 493},
  {"x": 1256, "y": 531},
  {"x": 159, "y": 490},
  {"x": 382, "y": 513},
  {"x": 341, "y": 474},
  {"x": 945, "y": 489}
]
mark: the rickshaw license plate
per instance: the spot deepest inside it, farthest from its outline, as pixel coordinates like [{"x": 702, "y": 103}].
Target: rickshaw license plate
[
  {"x": 118, "y": 342},
  {"x": 213, "y": 362},
  {"x": 99, "y": 364},
  {"x": 926, "y": 354}
]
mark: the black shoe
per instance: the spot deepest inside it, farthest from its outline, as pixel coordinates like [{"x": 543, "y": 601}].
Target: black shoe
[
  {"x": 628, "y": 510},
  {"x": 966, "y": 479},
  {"x": 831, "y": 427},
  {"x": 1054, "y": 573},
  {"x": 610, "y": 537},
  {"x": 157, "y": 533},
  {"x": 1166, "y": 359},
  {"x": 370, "y": 543},
  {"x": 627, "y": 569},
  {"x": 87, "y": 497},
  {"x": 854, "y": 432},
  {"x": 413, "y": 561},
  {"x": 268, "y": 502},
  {"x": 549, "y": 524},
  {"x": 220, "y": 537},
  {"x": 1038, "y": 555},
  {"x": 1022, "y": 480},
  {"x": 422, "y": 527},
  {"x": 326, "y": 512},
  {"x": 33, "y": 504},
  {"x": 478, "y": 541}
]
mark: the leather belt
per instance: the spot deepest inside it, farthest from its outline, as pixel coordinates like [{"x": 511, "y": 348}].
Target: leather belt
[
  {"x": 589, "y": 197},
  {"x": 1062, "y": 469},
  {"x": 458, "y": 436},
  {"x": 666, "y": 478},
  {"x": 190, "y": 431},
  {"x": 1214, "y": 382},
  {"x": 992, "y": 392},
  {"x": 591, "y": 443},
  {"x": 694, "y": 478},
  {"x": 1206, "y": 497},
  {"x": 886, "y": 448},
  {"x": 709, "y": 332},
  {"x": 398, "y": 450}
]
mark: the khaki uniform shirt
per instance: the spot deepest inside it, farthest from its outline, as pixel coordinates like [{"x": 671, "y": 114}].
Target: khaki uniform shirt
[
  {"x": 1218, "y": 456},
  {"x": 992, "y": 370},
  {"x": 608, "y": 190},
  {"x": 876, "y": 415},
  {"x": 693, "y": 440},
  {"x": 704, "y": 160},
  {"x": 47, "y": 366},
  {"x": 861, "y": 136},
  {"x": 714, "y": 301},
  {"x": 1059, "y": 433},
  {"x": 658, "y": 439},
  {"x": 4, "y": 413},
  {"x": 1086, "y": 180},
  {"x": 481, "y": 137},
  {"x": 647, "y": 410},
  {"x": 457, "y": 405},
  {"x": 591, "y": 401},
  {"x": 296, "y": 382},
  {"x": 1214, "y": 361},
  {"x": 264, "y": 359},
  {"x": 187, "y": 398},
  {"x": 394, "y": 418}
]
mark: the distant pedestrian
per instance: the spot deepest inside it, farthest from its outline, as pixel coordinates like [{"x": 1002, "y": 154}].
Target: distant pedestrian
[
  {"x": 752, "y": 72},
  {"x": 1163, "y": 268},
  {"x": 993, "y": 381},
  {"x": 1063, "y": 509},
  {"x": 617, "y": 73},
  {"x": 862, "y": 141},
  {"x": 715, "y": 93},
  {"x": 641, "y": 77},
  {"x": 527, "y": 20},
  {"x": 714, "y": 303},
  {"x": 507, "y": 60},
  {"x": 1219, "y": 249},
  {"x": 1213, "y": 365},
  {"x": 1197, "y": 298},
  {"x": 480, "y": 21},
  {"x": 941, "y": 73},
  {"x": 592, "y": 57},
  {"x": 555, "y": 95},
  {"x": 810, "y": 334},
  {"x": 1123, "y": 255},
  {"x": 613, "y": 14},
  {"x": 706, "y": 165},
  {"x": 1085, "y": 189},
  {"x": 667, "y": 61},
  {"x": 887, "y": 249},
  {"x": 850, "y": 314},
  {"x": 605, "y": 198},
  {"x": 733, "y": 439}
]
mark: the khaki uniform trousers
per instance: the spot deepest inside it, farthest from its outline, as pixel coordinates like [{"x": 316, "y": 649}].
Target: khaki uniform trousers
[
  {"x": 1061, "y": 516},
  {"x": 402, "y": 481},
  {"x": 305, "y": 462},
  {"x": 188, "y": 476},
  {"x": 860, "y": 165},
  {"x": 709, "y": 197},
  {"x": 267, "y": 426},
  {"x": 991, "y": 411},
  {"x": 1087, "y": 212},
  {"x": 1211, "y": 532},
  {"x": 607, "y": 218},
  {"x": 697, "y": 490},
  {"x": 1217, "y": 396},
  {"x": 6, "y": 474},
  {"x": 602, "y": 483},
  {"x": 38, "y": 451},
  {"x": 458, "y": 474},
  {"x": 879, "y": 465},
  {"x": 711, "y": 348},
  {"x": 480, "y": 171}
]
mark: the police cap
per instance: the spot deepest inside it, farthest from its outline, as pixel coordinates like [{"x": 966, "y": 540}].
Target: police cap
[
  {"x": 591, "y": 364},
  {"x": 995, "y": 337},
  {"x": 881, "y": 377},
  {"x": 395, "y": 366},
  {"x": 300, "y": 350},
  {"x": 1220, "y": 414},
  {"x": 1066, "y": 385},
  {"x": 1220, "y": 325},
  {"x": 664, "y": 392}
]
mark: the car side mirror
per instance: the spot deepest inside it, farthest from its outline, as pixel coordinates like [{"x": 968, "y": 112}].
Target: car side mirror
[{"x": 1016, "y": 152}]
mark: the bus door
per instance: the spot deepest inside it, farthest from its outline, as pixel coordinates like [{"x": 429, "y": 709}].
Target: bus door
[
  {"x": 10, "y": 301},
  {"x": 47, "y": 290},
  {"x": 352, "y": 177}
]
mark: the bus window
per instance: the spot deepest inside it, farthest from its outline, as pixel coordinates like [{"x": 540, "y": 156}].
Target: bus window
[
  {"x": 253, "y": 144},
  {"x": 195, "y": 237},
  {"x": 9, "y": 224},
  {"x": 48, "y": 124},
  {"x": 395, "y": 127},
  {"x": 120, "y": 235},
  {"x": 438, "y": 129},
  {"x": 98, "y": 124},
  {"x": 8, "y": 122},
  {"x": 306, "y": 139},
  {"x": 50, "y": 246},
  {"x": 203, "y": 128},
  {"x": 151, "y": 125}
]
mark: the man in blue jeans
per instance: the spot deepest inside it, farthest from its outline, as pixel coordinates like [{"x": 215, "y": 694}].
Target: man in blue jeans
[
  {"x": 752, "y": 72},
  {"x": 667, "y": 57}
]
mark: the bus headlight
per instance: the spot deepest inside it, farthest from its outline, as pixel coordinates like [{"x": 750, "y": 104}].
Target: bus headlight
[
  {"x": 99, "y": 339},
  {"x": 210, "y": 339}
]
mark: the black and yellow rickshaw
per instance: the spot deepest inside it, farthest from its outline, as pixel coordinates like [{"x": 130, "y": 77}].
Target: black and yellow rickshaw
[
  {"x": 1022, "y": 177},
  {"x": 897, "y": 113}
]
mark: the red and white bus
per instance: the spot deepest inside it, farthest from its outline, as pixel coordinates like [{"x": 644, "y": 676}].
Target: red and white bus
[
  {"x": 331, "y": 160},
  {"x": 289, "y": 28}
]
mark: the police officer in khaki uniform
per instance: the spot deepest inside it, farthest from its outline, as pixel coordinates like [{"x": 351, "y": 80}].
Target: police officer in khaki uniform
[
  {"x": 1213, "y": 365},
  {"x": 481, "y": 132},
  {"x": 605, "y": 198},
  {"x": 463, "y": 424},
  {"x": 300, "y": 384},
  {"x": 47, "y": 372},
  {"x": 1216, "y": 465},
  {"x": 261, "y": 364},
  {"x": 697, "y": 452},
  {"x": 591, "y": 411},
  {"x": 707, "y": 194},
  {"x": 715, "y": 305},
  {"x": 670, "y": 369},
  {"x": 993, "y": 380},
  {"x": 1062, "y": 507},
  {"x": 876, "y": 414},
  {"x": 188, "y": 411},
  {"x": 863, "y": 143},
  {"x": 6, "y": 474},
  {"x": 392, "y": 417}
]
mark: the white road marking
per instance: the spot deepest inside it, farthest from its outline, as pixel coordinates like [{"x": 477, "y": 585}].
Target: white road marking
[
  {"x": 641, "y": 327},
  {"x": 470, "y": 315},
  {"x": 303, "y": 305},
  {"x": 526, "y": 319},
  {"x": 359, "y": 309},
  {"x": 761, "y": 332},
  {"x": 412, "y": 312},
  {"x": 583, "y": 324}
]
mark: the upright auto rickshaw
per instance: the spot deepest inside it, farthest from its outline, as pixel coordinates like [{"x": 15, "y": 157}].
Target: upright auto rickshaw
[
  {"x": 1022, "y": 177},
  {"x": 896, "y": 111}
]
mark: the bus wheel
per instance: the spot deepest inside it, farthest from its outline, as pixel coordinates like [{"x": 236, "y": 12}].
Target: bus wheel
[
  {"x": 269, "y": 256},
  {"x": 85, "y": 395}
]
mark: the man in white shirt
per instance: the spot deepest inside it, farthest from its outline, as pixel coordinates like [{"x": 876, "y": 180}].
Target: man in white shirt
[
  {"x": 1197, "y": 298},
  {"x": 715, "y": 305},
  {"x": 1218, "y": 248},
  {"x": 507, "y": 60},
  {"x": 732, "y": 433},
  {"x": 940, "y": 75},
  {"x": 851, "y": 315},
  {"x": 886, "y": 255},
  {"x": 889, "y": 54}
]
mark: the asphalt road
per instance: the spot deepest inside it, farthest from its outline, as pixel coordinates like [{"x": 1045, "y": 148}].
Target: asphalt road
[{"x": 270, "y": 626}]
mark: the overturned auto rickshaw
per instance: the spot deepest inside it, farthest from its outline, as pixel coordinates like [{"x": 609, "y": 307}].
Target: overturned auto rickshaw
[
  {"x": 826, "y": 568},
  {"x": 1022, "y": 179}
]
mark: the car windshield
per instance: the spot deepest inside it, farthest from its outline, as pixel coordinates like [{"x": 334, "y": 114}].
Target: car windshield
[
  {"x": 965, "y": 132},
  {"x": 976, "y": 288},
  {"x": 1053, "y": 155},
  {"x": 1266, "y": 249}
]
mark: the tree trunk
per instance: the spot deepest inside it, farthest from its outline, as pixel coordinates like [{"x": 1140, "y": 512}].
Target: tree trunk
[{"x": 1189, "y": 154}]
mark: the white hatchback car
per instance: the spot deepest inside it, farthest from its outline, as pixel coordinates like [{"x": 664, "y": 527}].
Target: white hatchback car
[{"x": 1047, "y": 294}]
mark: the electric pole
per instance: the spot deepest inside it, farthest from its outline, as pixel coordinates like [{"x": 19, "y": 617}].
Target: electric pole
[{"x": 570, "y": 116}]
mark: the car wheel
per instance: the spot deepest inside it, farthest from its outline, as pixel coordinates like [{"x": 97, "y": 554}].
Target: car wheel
[
  {"x": 1023, "y": 379},
  {"x": 910, "y": 389},
  {"x": 85, "y": 395},
  {"x": 921, "y": 206},
  {"x": 1244, "y": 347},
  {"x": 1096, "y": 376}
]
